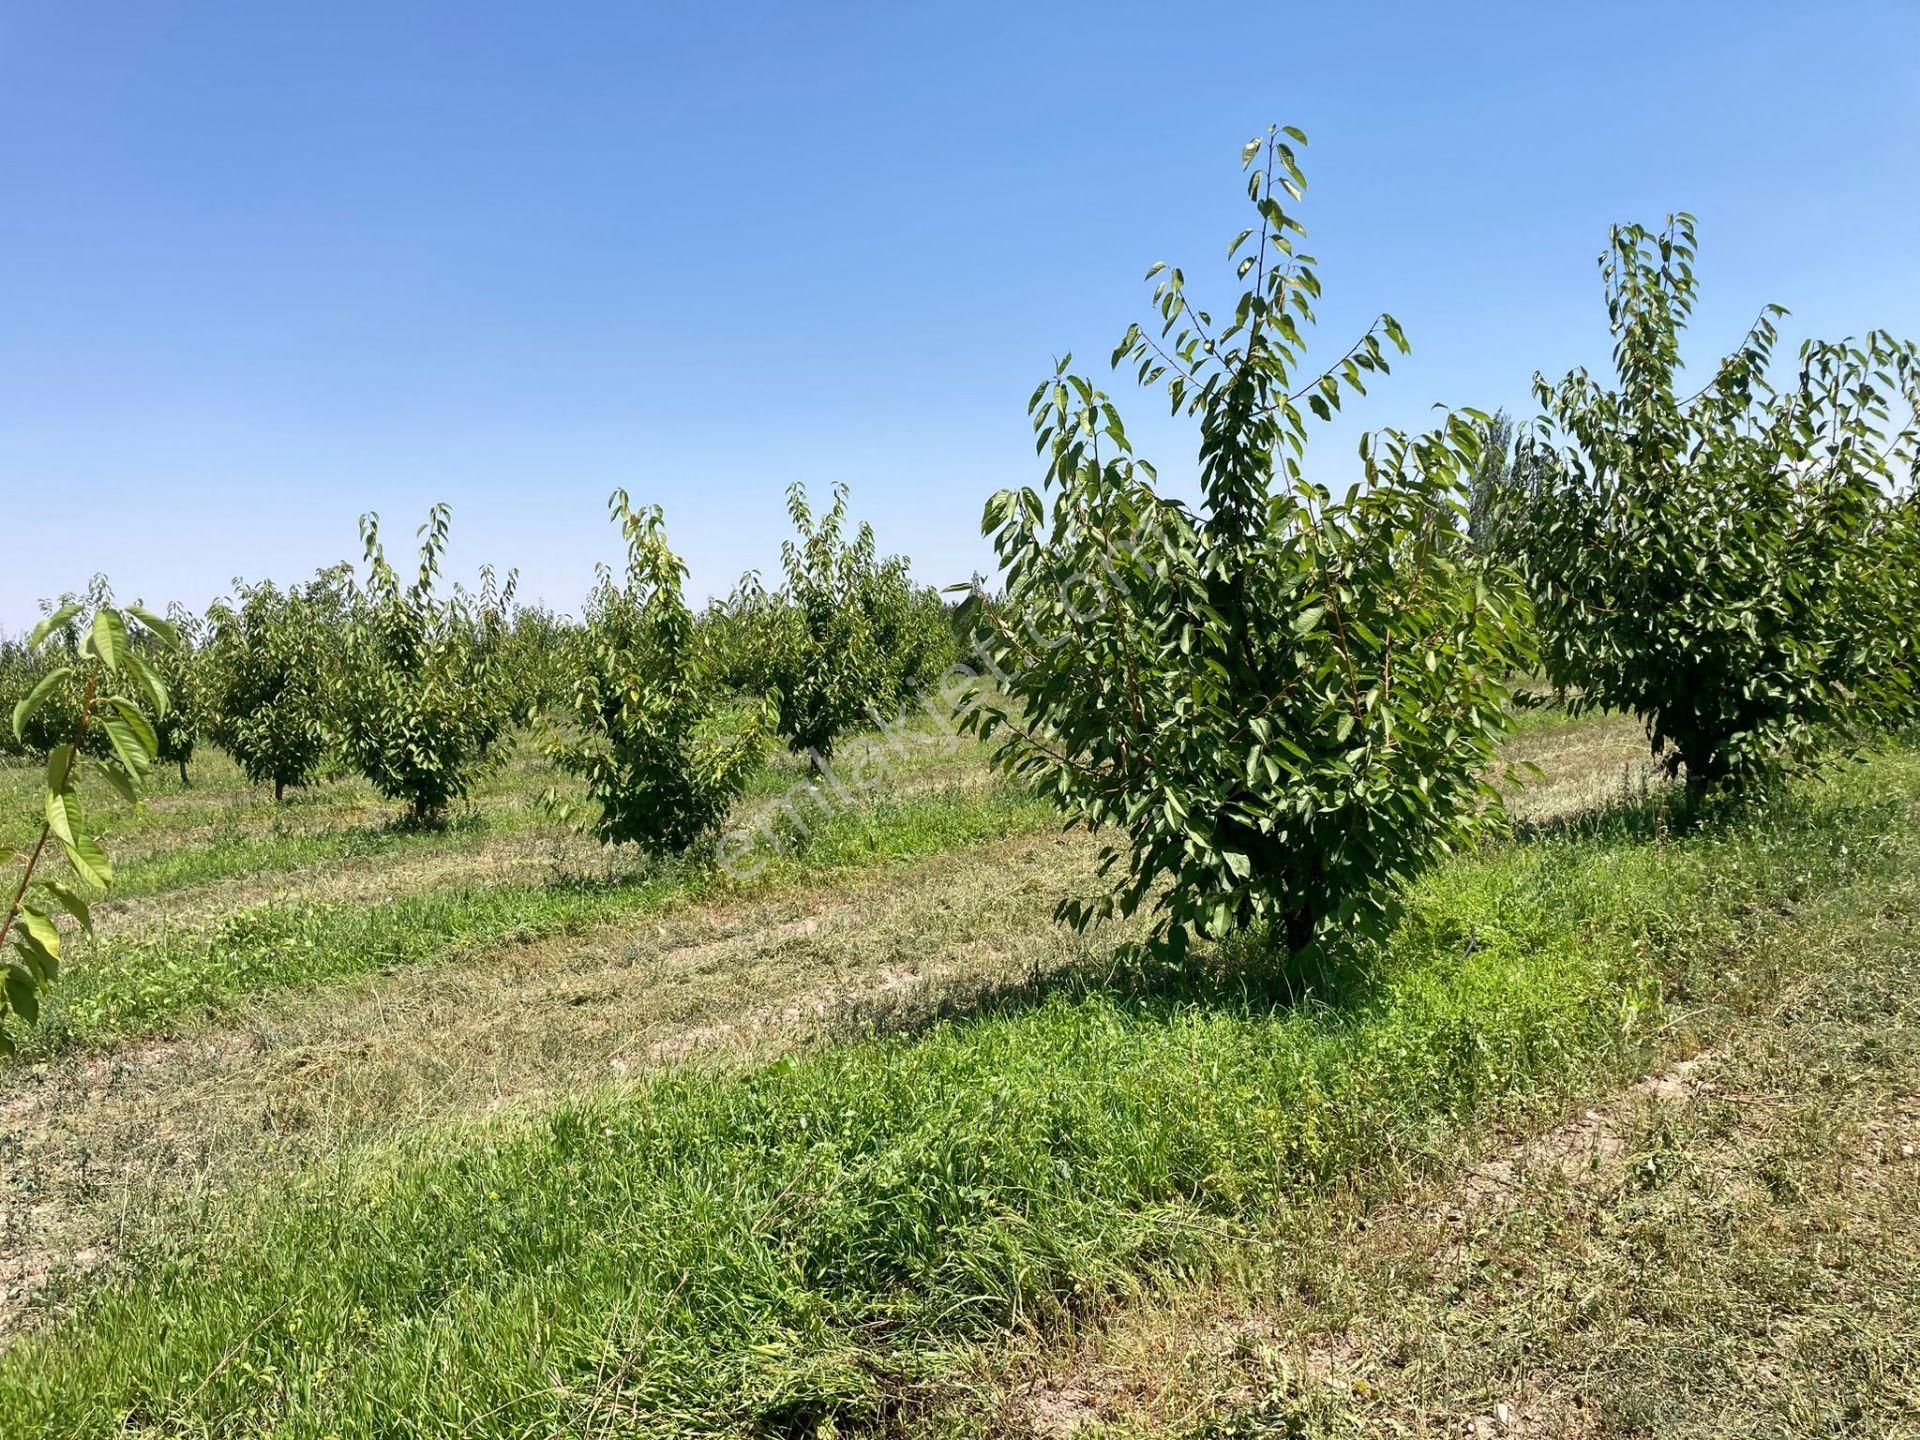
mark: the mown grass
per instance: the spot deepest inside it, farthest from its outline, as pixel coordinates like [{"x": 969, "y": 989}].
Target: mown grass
[
  {"x": 144, "y": 983},
  {"x": 1729, "y": 1249},
  {"x": 278, "y": 852},
  {"x": 223, "y": 829},
  {"x": 210, "y": 945},
  {"x": 805, "y": 1246}
]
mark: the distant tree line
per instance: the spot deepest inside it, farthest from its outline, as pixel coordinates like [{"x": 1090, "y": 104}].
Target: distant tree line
[{"x": 415, "y": 685}]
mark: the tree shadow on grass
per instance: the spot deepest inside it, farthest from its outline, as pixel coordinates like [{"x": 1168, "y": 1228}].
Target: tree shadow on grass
[
  {"x": 1244, "y": 977},
  {"x": 1636, "y": 819},
  {"x": 1652, "y": 817},
  {"x": 1253, "y": 974}
]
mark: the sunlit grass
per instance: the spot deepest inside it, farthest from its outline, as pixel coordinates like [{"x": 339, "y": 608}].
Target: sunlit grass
[
  {"x": 145, "y": 981},
  {"x": 808, "y": 1243}
]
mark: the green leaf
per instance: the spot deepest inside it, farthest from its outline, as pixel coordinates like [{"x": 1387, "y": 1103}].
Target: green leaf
[
  {"x": 23, "y": 992},
  {"x": 124, "y": 785},
  {"x": 126, "y": 745},
  {"x": 142, "y": 733},
  {"x": 70, "y": 901},
  {"x": 89, "y": 861},
  {"x": 40, "y": 926},
  {"x": 38, "y": 959},
  {"x": 150, "y": 681},
  {"x": 164, "y": 630},
  {"x": 63, "y": 815},
  {"x": 109, "y": 635},
  {"x": 52, "y": 623},
  {"x": 35, "y": 698},
  {"x": 60, "y": 768}
]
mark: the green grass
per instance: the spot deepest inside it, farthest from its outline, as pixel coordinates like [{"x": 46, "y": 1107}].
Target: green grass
[
  {"x": 223, "y": 829},
  {"x": 222, "y": 832},
  {"x": 1729, "y": 1250},
  {"x": 146, "y": 983},
  {"x": 803, "y": 1246},
  {"x": 240, "y": 853}
]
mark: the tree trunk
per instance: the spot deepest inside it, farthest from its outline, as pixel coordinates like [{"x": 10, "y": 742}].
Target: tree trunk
[
  {"x": 1704, "y": 772},
  {"x": 279, "y": 791},
  {"x": 185, "y": 783},
  {"x": 1300, "y": 928}
]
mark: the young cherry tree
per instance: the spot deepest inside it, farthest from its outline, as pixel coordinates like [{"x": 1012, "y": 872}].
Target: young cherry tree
[
  {"x": 268, "y": 673},
  {"x": 182, "y": 667},
  {"x": 414, "y": 715},
  {"x": 120, "y": 693},
  {"x": 505, "y": 693},
  {"x": 662, "y": 747},
  {"x": 1285, "y": 702},
  {"x": 1726, "y": 564},
  {"x": 847, "y": 635}
]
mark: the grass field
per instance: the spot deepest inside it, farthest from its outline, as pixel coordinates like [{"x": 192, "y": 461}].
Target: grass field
[
  {"x": 1729, "y": 1248},
  {"x": 338, "y": 1128}
]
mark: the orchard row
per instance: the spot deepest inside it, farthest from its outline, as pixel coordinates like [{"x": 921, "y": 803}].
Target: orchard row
[
  {"x": 413, "y": 684},
  {"x": 1280, "y": 704}
]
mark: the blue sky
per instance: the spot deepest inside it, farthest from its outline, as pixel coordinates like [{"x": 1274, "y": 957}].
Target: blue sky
[{"x": 264, "y": 268}]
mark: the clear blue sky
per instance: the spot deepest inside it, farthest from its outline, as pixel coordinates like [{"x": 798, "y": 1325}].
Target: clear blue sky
[{"x": 264, "y": 267}]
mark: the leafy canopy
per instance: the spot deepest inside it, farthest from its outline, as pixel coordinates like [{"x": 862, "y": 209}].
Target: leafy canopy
[
  {"x": 663, "y": 747},
  {"x": 1284, "y": 701},
  {"x": 268, "y": 675},
  {"x": 121, "y": 693},
  {"x": 505, "y": 691},
  {"x": 416, "y": 716},
  {"x": 846, "y": 637},
  {"x": 25, "y": 666},
  {"x": 1727, "y": 565},
  {"x": 182, "y": 667},
  {"x": 1512, "y": 470}
]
